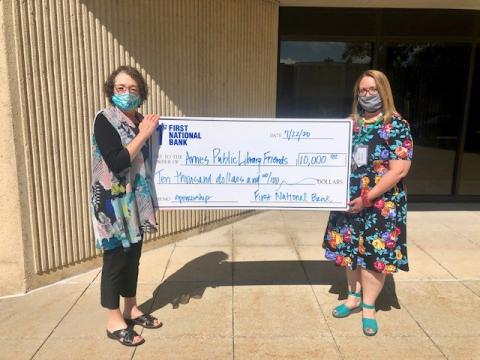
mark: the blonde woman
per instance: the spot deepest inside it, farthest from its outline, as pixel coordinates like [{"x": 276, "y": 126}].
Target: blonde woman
[{"x": 369, "y": 240}]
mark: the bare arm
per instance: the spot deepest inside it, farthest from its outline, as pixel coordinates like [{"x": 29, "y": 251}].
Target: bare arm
[{"x": 398, "y": 169}]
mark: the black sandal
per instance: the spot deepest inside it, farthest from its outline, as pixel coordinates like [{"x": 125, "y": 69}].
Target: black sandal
[
  {"x": 125, "y": 337},
  {"x": 146, "y": 320}
]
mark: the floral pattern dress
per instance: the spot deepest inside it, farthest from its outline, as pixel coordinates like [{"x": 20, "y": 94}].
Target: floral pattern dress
[{"x": 375, "y": 238}]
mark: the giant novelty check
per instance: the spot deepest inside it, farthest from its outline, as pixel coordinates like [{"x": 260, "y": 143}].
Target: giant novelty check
[{"x": 229, "y": 163}]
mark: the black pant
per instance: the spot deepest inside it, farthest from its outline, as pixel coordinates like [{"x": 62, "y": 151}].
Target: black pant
[{"x": 119, "y": 274}]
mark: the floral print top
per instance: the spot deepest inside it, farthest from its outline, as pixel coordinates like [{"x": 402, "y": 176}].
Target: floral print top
[{"x": 375, "y": 238}]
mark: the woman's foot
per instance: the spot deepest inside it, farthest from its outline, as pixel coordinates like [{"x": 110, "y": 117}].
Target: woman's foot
[
  {"x": 116, "y": 324},
  {"x": 352, "y": 304},
  {"x": 127, "y": 337},
  {"x": 146, "y": 321},
  {"x": 369, "y": 323}
]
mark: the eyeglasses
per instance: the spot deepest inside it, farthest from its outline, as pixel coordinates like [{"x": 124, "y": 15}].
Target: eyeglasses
[
  {"x": 120, "y": 89},
  {"x": 371, "y": 91}
]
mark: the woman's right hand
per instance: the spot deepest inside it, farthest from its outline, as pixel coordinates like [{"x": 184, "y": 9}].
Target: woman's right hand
[
  {"x": 355, "y": 206},
  {"x": 148, "y": 125}
]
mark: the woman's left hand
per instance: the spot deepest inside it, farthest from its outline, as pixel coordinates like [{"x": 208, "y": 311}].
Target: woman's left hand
[{"x": 355, "y": 206}]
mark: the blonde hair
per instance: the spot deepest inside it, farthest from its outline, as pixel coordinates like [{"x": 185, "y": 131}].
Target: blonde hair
[{"x": 384, "y": 90}]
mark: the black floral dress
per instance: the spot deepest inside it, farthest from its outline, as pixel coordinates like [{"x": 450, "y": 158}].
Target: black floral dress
[{"x": 375, "y": 238}]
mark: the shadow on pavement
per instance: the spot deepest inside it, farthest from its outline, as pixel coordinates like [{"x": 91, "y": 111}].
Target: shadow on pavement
[{"x": 213, "y": 270}]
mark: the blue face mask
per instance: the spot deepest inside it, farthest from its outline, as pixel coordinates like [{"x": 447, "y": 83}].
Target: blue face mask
[{"x": 126, "y": 101}]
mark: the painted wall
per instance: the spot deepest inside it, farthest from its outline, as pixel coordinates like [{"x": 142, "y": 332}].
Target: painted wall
[{"x": 200, "y": 58}]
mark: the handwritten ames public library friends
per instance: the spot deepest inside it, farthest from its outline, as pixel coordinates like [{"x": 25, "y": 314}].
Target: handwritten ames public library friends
[{"x": 229, "y": 58}]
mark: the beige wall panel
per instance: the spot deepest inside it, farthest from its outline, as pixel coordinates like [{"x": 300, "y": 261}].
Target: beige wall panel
[
  {"x": 11, "y": 234},
  {"x": 199, "y": 57}
]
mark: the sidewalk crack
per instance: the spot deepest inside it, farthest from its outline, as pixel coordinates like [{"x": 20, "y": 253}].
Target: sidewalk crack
[
  {"x": 420, "y": 326},
  {"x": 65, "y": 315},
  {"x": 337, "y": 347},
  {"x": 444, "y": 268},
  {"x": 154, "y": 299}
]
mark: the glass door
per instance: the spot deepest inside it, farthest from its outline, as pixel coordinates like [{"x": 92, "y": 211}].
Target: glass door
[{"x": 429, "y": 87}]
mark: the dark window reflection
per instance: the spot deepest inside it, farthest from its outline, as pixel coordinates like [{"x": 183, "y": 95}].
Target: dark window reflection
[
  {"x": 428, "y": 82},
  {"x": 315, "y": 79},
  {"x": 429, "y": 79},
  {"x": 470, "y": 175}
]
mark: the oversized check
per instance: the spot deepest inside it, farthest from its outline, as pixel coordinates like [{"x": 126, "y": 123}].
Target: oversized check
[{"x": 232, "y": 163}]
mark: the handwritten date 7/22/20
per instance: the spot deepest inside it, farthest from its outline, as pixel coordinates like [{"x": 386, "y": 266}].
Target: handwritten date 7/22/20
[{"x": 292, "y": 134}]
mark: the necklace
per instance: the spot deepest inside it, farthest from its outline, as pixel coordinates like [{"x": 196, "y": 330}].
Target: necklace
[
  {"x": 375, "y": 120},
  {"x": 363, "y": 132}
]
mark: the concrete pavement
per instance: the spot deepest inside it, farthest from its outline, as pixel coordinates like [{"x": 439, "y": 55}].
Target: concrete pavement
[{"x": 259, "y": 288}]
